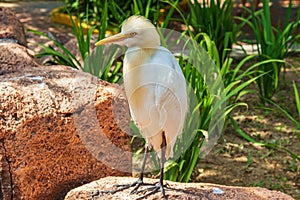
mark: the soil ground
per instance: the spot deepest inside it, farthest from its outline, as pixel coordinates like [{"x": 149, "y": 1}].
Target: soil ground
[{"x": 233, "y": 161}]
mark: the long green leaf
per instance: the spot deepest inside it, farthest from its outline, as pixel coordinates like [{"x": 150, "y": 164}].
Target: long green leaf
[
  {"x": 269, "y": 145},
  {"x": 297, "y": 98},
  {"x": 284, "y": 112}
]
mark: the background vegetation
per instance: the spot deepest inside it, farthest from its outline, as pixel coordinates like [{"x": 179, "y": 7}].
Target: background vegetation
[{"x": 213, "y": 26}]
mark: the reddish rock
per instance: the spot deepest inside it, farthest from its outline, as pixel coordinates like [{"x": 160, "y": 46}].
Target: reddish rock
[
  {"x": 11, "y": 29},
  {"x": 5, "y": 183},
  {"x": 59, "y": 127},
  {"x": 15, "y": 57},
  {"x": 178, "y": 191},
  {"x": 13, "y": 52},
  {"x": 58, "y": 130}
]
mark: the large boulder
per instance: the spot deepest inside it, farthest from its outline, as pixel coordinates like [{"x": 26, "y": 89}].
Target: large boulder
[
  {"x": 15, "y": 57},
  {"x": 59, "y": 127},
  {"x": 11, "y": 29},
  {"x": 14, "y": 54},
  {"x": 58, "y": 131},
  {"x": 180, "y": 191}
]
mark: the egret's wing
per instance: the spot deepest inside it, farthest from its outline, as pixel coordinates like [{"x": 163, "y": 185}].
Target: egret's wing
[
  {"x": 156, "y": 91},
  {"x": 171, "y": 99},
  {"x": 171, "y": 86}
]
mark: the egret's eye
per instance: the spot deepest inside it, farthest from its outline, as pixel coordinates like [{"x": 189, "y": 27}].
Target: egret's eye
[{"x": 132, "y": 34}]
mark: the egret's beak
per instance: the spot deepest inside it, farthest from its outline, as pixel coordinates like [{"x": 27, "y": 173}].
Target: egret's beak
[{"x": 115, "y": 38}]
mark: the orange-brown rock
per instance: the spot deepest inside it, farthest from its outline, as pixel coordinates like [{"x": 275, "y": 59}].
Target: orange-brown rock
[
  {"x": 15, "y": 57},
  {"x": 14, "y": 54},
  {"x": 59, "y": 127},
  {"x": 58, "y": 130},
  {"x": 177, "y": 191},
  {"x": 11, "y": 29}
]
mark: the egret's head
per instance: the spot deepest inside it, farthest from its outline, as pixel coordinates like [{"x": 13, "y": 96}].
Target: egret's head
[{"x": 136, "y": 31}]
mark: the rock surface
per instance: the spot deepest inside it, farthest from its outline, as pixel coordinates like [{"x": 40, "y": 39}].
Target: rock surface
[
  {"x": 58, "y": 131},
  {"x": 11, "y": 29},
  {"x": 59, "y": 127},
  {"x": 15, "y": 57},
  {"x": 14, "y": 54},
  {"x": 188, "y": 191}
]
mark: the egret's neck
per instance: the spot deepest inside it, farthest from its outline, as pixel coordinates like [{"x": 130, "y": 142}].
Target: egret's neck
[{"x": 136, "y": 56}]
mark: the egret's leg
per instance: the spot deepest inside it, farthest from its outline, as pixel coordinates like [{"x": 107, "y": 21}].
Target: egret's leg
[
  {"x": 154, "y": 187},
  {"x": 140, "y": 182},
  {"x": 162, "y": 164},
  {"x": 137, "y": 183},
  {"x": 160, "y": 185},
  {"x": 144, "y": 163}
]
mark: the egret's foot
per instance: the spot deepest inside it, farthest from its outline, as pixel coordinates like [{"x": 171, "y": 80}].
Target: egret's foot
[
  {"x": 152, "y": 190},
  {"x": 121, "y": 187},
  {"x": 135, "y": 184}
]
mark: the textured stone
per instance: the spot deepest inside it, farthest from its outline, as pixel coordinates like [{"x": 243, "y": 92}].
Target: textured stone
[
  {"x": 5, "y": 183},
  {"x": 15, "y": 57},
  {"x": 182, "y": 191},
  {"x": 11, "y": 29},
  {"x": 13, "y": 52},
  {"x": 59, "y": 128}
]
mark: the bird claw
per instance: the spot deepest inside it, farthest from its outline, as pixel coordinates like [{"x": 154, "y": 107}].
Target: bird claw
[
  {"x": 154, "y": 188},
  {"x": 121, "y": 187},
  {"x": 136, "y": 183}
]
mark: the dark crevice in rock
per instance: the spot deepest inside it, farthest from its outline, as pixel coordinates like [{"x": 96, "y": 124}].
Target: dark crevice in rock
[
  {"x": 3, "y": 72},
  {"x": 67, "y": 114},
  {"x": 1, "y": 193},
  {"x": 10, "y": 175}
]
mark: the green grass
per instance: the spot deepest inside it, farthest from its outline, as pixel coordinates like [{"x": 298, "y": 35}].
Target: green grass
[
  {"x": 215, "y": 19},
  {"x": 272, "y": 43},
  {"x": 216, "y": 82},
  {"x": 117, "y": 11},
  {"x": 100, "y": 63}
]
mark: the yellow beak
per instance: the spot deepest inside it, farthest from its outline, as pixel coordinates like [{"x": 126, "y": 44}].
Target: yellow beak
[{"x": 115, "y": 38}]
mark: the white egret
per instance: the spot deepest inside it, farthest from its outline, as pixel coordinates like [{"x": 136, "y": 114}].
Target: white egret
[{"x": 155, "y": 88}]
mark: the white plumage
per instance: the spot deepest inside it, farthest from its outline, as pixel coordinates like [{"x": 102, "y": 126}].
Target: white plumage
[
  {"x": 154, "y": 84},
  {"x": 156, "y": 92}
]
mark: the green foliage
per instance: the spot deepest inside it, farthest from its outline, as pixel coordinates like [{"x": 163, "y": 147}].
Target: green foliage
[
  {"x": 235, "y": 79},
  {"x": 271, "y": 145},
  {"x": 234, "y": 83},
  {"x": 285, "y": 112},
  {"x": 272, "y": 43},
  {"x": 215, "y": 31},
  {"x": 107, "y": 69},
  {"x": 63, "y": 57},
  {"x": 117, "y": 11},
  {"x": 215, "y": 19},
  {"x": 297, "y": 99}
]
